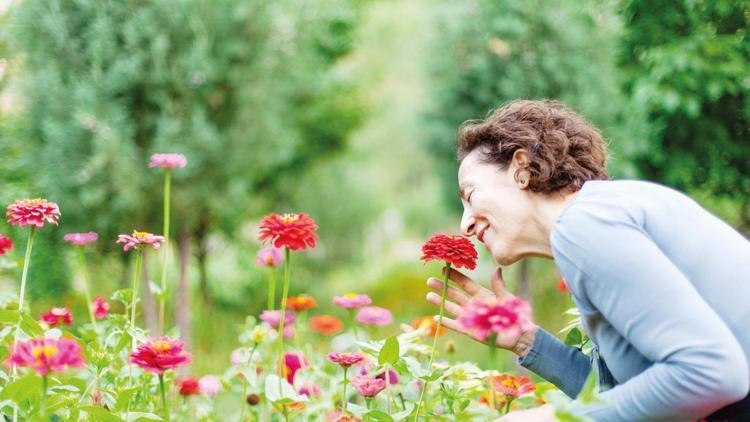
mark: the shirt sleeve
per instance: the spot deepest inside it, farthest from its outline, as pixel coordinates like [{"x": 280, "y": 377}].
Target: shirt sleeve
[{"x": 698, "y": 364}]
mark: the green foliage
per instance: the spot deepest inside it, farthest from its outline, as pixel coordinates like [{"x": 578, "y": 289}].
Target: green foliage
[{"x": 687, "y": 64}]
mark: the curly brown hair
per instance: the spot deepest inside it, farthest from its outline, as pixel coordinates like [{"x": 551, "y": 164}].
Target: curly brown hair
[{"x": 564, "y": 149}]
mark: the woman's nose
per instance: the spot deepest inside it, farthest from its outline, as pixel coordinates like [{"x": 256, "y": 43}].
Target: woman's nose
[{"x": 468, "y": 224}]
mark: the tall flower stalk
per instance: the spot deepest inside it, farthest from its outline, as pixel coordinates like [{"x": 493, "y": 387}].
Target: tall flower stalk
[
  {"x": 167, "y": 162},
  {"x": 452, "y": 250},
  {"x": 82, "y": 239},
  {"x": 284, "y": 294}
]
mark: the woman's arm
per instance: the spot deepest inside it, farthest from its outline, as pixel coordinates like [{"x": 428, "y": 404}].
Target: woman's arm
[{"x": 698, "y": 366}]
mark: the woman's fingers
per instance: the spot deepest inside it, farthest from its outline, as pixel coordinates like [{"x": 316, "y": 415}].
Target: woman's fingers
[
  {"x": 451, "y": 323},
  {"x": 452, "y": 293},
  {"x": 498, "y": 283},
  {"x": 450, "y": 307},
  {"x": 469, "y": 286}
]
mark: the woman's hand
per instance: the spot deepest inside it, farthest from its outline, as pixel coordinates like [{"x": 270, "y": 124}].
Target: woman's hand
[
  {"x": 469, "y": 289},
  {"x": 544, "y": 413}
]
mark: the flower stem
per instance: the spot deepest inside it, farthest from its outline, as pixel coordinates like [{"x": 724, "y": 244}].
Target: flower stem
[
  {"x": 435, "y": 338},
  {"x": 86, "y": 290},
  {"x": 165, "y": 263},
  {"x": 354, "y": 323},
  {"x": 507, "y": 406},
  {"x": 368, "y": 402},
  {"x": 43, "y": 405},
  {"x": 493, "y": 358},
  {"x": 136, "y": 285},
  {"x": 287, "y": 274},
  {"x": 163, "y": 398},
  {"x": 344, "y": 400},
  {"x": 24, "y": 273},
  {"x": 272, "y": 289}
]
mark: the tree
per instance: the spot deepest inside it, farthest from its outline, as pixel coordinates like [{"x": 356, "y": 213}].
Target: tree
[{"x": 688, "y": 64}]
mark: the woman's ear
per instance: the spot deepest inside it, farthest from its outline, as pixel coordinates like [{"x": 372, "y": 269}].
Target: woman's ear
[{"x": 518, "y": 164}]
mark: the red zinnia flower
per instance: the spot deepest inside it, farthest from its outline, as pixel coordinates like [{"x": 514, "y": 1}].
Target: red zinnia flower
[
  {"x": 301, "y": 303},
  {"x": 160, "y": 354},
  {"x": 32, "y": 212},
  {"x": 188, "y": 386},
  {"x": 295, "y": 231},
  {"x": 5, "y": 244},
  {"x": 326, "y": 324},
  {"x": 513, "y": 387},
  {"x": 456, "y": 250},
  {"x": 100, "y": 307},
  {"x": 45, "y": 355},
  {"x": 57, "y": 316}
]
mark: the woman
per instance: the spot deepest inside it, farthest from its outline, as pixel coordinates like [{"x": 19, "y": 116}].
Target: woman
[{"x": 663, "y": 286}]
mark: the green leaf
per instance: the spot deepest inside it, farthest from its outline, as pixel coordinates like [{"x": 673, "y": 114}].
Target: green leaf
[
  {"x": 143, "y": 417},
  {"x": 404, "y": 413},
  {"x": 124, "y": 296},
  {"x": 23, "y": 388},
  {"x": 574, "y": 337},
  {"x": 123, "y": 398},
  {"x": 378, "y": 416},
  {"x": 389, "y": 353},
  {"x": 101, "y": 414}
]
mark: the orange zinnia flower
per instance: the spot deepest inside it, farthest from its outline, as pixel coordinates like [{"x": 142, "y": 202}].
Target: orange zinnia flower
[
  {"x": 301, "y": 303},
  {"x": 513, "y": 387},
  {"x": 295, "y": 231},
  {"x": 457, "y": 250},
  {"x": 429, "y": 323},
  {"x": 326, "y": 324}
]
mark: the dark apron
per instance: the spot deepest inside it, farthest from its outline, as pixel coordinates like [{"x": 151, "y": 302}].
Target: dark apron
[{"x": 738, "y": 411}]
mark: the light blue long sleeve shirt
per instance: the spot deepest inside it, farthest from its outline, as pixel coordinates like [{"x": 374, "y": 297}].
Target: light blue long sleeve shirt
[{"x": 663, "y": 287}]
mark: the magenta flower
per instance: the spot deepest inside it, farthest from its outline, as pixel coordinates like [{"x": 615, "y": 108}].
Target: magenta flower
[
  {"x": 139, "y": 239},
  {"x": 270, "y": 257},
  {"x": 368, "y": 386},
  {"x": 209, "y": 385},
  {"x": 5, "y": 244},
  {"x": 81, "y": 239},
  {"x": 168, "y": 161},
  {"x": 483, "y": 316},
  {"x": 293, "y": 362},
  {"x": 309, "y": 389},
  {"x": 57, "y": 316},
  {"x": 346, "y": 359},
  {"x": 32, "y": 212},
  {"x": 160, "y": 354},
  {"x": 352, "y": 300},
  {"x": 45, "y": 355},
  {"x": 273, "y": 318},
  {"x": 100, "y": 307},
  {"x": 374, "y": 315}
]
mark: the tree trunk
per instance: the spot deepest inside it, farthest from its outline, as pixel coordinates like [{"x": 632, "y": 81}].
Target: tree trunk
[
  {"x": 182, "y": 306},
  {"x": 149, "y": 308}
]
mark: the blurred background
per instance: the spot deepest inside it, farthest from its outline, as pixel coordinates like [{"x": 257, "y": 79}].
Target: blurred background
[{"x": 346, "y": 110}]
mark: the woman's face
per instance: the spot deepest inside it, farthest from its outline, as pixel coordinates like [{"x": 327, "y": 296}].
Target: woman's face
[{"x": 497, "y": 208}]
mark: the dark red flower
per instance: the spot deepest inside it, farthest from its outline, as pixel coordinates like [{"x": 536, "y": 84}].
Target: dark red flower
[
  {"x": 457, "y": 250},
  {"x": 57, "y": 316},
  {"x": 32, "y": 212},
  {"x": 5, "y": 244},
  {"x": 188, "y": 386},
  {"x": 295, "y": 231}
]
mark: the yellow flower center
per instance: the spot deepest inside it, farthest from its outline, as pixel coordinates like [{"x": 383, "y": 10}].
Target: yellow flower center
[
  {"x": 351, "y": 295},
  {"x": 161, "y": 346},
  {"x": 46, "y": 351},
  {"x": 289, "y": 218},
  {"x": 136, "y": 233}
]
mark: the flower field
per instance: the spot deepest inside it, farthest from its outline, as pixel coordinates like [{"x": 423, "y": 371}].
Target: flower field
[{"x": 104, "y": 366}]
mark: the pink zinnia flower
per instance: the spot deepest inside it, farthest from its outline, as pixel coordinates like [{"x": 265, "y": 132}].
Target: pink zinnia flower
[
  {"x": 352, "y": 300},
  {"x": 81, "y": 239},
  {"x": 100, "y": 307},
  {"x": 293, "y": 362},
  {"x": 346, "y": 359},
  {"x": 513, "y": 387},
  {"x": 374, "y": 315},
  {"x": 45, "y": 355},
  {"x": 368, "y": 386},
  {"x": 270, "y": 257},
  {"x": 139, "y": 239},
  {"x": 5, "y": 244},
  {"x": 273, "y": 318},
  {"x": 167, "y": 161},
  {"x": 210, "y": 385},
  {"x": 310, "y": 389},
  {"x": 160, "y": 354},
  {"x": 483, "y": 316},
  {"x": 240, "y": 356},
  {"x": 32, "y": 212},
  {"x": 57, "y": 316}
]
